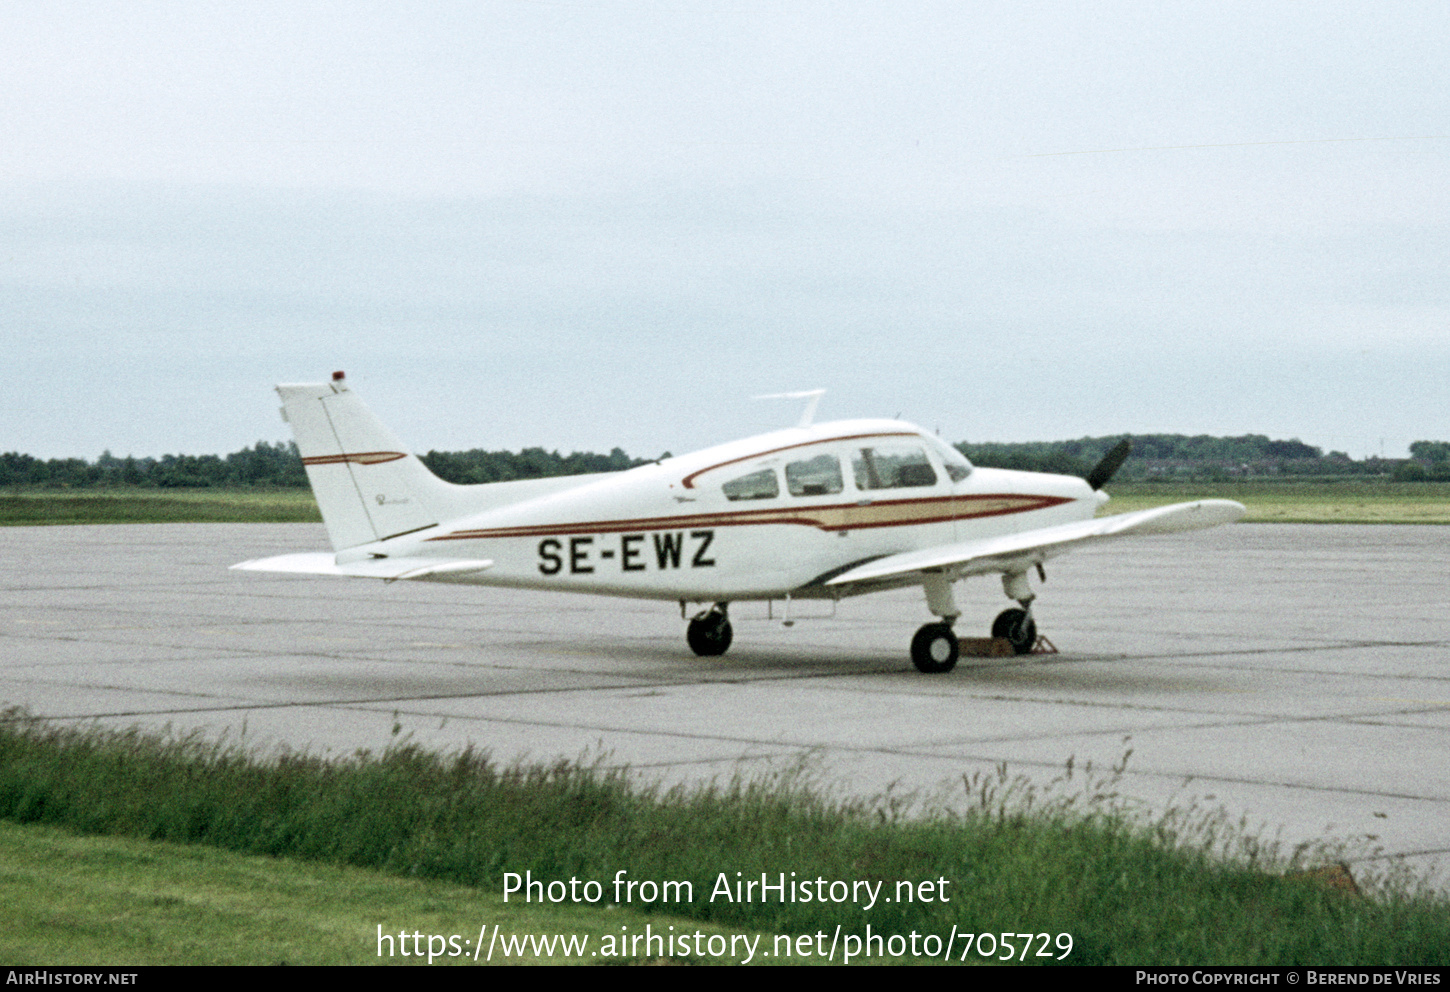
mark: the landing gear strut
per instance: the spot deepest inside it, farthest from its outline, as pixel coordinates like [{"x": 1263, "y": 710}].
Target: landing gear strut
[
  {"x": 709, "y": 633},
  {"x": 934, "y": 649}
]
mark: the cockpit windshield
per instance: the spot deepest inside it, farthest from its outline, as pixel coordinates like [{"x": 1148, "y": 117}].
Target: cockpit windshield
[{"x": 953, "y": 460}]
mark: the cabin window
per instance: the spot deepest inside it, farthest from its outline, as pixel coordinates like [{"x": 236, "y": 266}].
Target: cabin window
[
  {"x": 818, "y": 476},
  {"x": 892, "y": 466},
  {"x": 756, "y": 485}
]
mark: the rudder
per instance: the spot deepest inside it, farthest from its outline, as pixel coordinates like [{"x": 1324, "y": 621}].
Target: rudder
[{"x": 368, "y": 487}]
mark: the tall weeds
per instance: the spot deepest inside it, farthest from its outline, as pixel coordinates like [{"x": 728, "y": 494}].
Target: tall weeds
[{"x": 1002, "y": 854}]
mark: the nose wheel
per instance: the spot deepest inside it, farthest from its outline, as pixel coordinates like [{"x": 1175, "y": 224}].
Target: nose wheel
[
  {"x": 709, "y": 633},
  {"x": 934, "y": 649},
  {"x": 1018, "y": 628}
]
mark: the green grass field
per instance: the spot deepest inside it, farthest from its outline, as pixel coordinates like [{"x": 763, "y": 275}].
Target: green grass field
[
  {"x": 1299, "y": 501},
  {"x": 67, "y": 899},
  {"x": 1291, "y": 501},
  {"x": 31, "y": 507},
  {"x": 311, "y": 840}
]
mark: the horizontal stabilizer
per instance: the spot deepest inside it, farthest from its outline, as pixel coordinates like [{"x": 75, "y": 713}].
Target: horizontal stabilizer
[
  {"x": 391, "y": 569},
  {"x": 1017, "y": 552}
]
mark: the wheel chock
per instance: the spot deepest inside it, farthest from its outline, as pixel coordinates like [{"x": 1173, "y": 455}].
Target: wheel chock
[{"x": 985, "y": 647}]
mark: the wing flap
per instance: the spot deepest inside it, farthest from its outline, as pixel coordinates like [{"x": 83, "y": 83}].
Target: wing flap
[
  {"x": 1012, "y": 552},
  {"x": 390, "y": 569}
]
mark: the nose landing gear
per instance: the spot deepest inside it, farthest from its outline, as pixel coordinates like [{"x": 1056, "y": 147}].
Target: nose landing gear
[{"x": 1018, "y": 628}]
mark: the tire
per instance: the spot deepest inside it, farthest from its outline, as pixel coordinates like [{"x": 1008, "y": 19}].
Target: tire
[
  {"x": 1022, "y": 636},
  {"x": 934, "y": 649},
  {"x": 709, "y": 636}
]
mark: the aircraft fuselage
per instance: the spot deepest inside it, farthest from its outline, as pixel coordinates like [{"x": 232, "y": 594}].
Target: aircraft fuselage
[{"x": 760, "y": 518}]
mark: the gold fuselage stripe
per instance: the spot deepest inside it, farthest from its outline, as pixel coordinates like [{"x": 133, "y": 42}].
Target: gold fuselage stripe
[{"x": 836, "y": 517}]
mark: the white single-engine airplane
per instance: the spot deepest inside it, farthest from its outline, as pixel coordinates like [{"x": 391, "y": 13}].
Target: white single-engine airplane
[{"x": 817, "y": 511}]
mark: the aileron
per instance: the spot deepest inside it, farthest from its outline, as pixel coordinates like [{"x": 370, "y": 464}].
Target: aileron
[{"x": 1024, "y": 549}]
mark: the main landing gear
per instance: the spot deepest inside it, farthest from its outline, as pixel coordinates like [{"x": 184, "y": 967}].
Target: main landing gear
[
  {"x": 935, "y": 648},
  {"x": 709, "y": 633}
]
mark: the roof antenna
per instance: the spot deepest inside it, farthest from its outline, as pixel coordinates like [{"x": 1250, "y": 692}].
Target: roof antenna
[{"x": 813, "y": 395}]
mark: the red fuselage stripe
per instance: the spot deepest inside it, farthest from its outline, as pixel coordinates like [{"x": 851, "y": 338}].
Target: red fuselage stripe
[
  {"x": 837, "y": 517},
  {"x": 689, "y": 480},
  {"x": 358, "y": 458}
]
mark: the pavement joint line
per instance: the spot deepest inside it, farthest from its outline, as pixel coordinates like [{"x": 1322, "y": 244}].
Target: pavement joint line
[
  {"x": 786, "y": 746},
  {"x": 1080, "y": 769},
  {"x": 646, "y": 682},
  {"x": 389, "y": 700},
  {"x": 1171, "y": 665},
  {"x": 915, "y": 752},
  {"x": 1140, "y": 708},
  {"x": 1399, "y": 855},
  {"x": 1007, "y": 665}
]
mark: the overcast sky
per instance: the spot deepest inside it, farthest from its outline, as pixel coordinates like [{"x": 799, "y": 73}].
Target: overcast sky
[{"x": 598, "y": 224}]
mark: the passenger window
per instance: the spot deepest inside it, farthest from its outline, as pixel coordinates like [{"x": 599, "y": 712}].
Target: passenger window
[
  {"x": 756, "y": 485},
  {"x": 819, "y": 476},
  {"x": 892, "y": 466}
]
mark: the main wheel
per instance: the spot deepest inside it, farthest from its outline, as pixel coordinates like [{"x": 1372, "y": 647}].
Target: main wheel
[
  {"x": 709, "y": 636},
  {"x": 934, "y": 649},
  {"x": 1018, "y": 628}
]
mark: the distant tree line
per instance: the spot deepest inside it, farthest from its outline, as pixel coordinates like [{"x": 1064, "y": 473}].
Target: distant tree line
[
  {"x": 273, "y": 466},
  {"x": 468, "y": 467},
  {"x": 1167, "y": 456},
  {"x": 1429, "y": 460},
  {"x": 1154, "y": 456},
  {"x": 263, "y": 465}
]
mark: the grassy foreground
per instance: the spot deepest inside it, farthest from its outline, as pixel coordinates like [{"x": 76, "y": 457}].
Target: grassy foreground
[
  {"x": 1013, "y": 859},
  {"x": 77, "y": 900},
  {"x": 1291, "y": 501}
]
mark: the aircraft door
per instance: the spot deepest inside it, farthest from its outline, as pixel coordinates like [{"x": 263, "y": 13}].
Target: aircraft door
[
  {"x": 905, "y": 493},
  {"x": 958, "y": 475}
]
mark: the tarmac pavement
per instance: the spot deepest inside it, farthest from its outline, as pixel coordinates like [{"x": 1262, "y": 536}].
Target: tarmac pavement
[{"x": 1295, "y": 676}]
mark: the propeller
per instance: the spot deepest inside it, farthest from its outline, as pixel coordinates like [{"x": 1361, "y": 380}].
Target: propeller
[{"x": 1100, "y": 475}]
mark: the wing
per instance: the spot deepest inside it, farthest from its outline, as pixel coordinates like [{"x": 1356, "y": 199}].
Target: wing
[
  {"x": 391, "y": 569},
  {"x": 1019, "y": 552}
]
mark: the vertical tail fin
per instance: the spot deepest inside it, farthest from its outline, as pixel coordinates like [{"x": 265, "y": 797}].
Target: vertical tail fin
[{"x": 367, "y": 485}]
